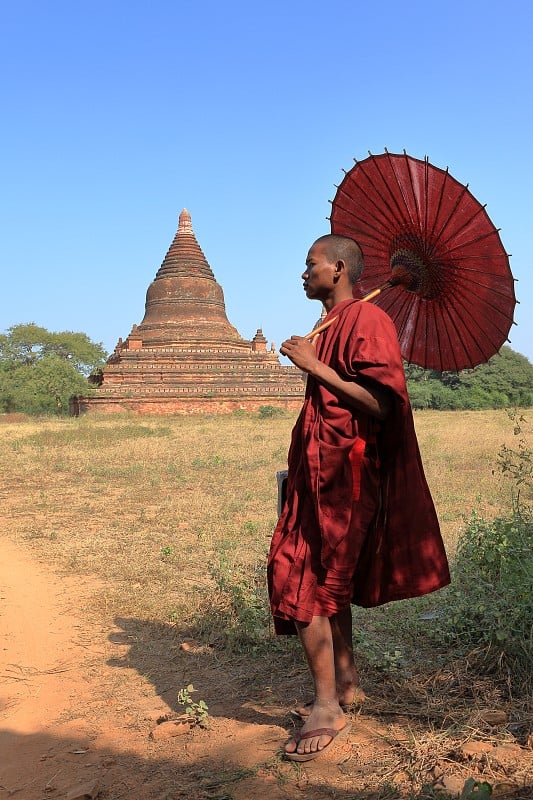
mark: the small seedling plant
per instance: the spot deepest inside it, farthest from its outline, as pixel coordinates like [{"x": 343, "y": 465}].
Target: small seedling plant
[{"x": 198, "y": 711}]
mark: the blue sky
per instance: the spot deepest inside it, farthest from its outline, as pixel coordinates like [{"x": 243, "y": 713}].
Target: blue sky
[{"x": 116, "y": 115}]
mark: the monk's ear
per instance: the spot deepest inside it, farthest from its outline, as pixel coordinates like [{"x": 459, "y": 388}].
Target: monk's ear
[{"x": 340, "y": 267}]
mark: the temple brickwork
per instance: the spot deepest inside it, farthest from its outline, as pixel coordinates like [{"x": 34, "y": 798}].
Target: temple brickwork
[{"x": 185, "y": 356}]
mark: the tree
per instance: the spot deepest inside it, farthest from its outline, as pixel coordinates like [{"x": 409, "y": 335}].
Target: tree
[
  {"x": 40, "y": 369},
  {"x": 505, "y": 380}
]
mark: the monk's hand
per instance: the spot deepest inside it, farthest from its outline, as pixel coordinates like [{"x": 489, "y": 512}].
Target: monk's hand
[{"x": 301, "y": 352}]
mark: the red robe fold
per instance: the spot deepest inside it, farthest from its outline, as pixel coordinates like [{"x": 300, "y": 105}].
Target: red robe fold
[{"x": 357, "y": 498}]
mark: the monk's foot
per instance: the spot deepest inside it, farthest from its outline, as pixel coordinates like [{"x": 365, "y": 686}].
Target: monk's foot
[
  {"x": 347, "y": 682},
  {"x": 327, "y": 715},
  {"x": 351, "y": 696},
  {"x": 348, "y": 697}
]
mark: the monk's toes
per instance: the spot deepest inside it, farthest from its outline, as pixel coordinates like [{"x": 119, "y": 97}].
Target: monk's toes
[
  {"x": 315, "y": 744},
  {"x": 323, "y": 742}
]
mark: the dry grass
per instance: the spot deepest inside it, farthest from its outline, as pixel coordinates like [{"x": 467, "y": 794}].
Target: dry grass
[
  {"x": 144, "y": 503},
  {"x": 163, "y": 510},
  {"x": 152, "y": 501},
  {"x": 459, "y": 449}
]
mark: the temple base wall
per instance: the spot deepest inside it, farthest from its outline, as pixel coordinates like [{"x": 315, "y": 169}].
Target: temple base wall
[{"x": 171, "y": 405}]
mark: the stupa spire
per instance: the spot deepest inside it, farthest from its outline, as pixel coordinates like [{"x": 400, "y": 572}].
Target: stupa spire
[
  {"x": 184, "y": 223},
  {"x": 184, "y": 302},
  {"x": 185, "y": 256}
]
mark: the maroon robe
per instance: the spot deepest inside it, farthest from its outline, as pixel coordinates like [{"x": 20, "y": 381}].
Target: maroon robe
[{"x": 357, "y": 498}]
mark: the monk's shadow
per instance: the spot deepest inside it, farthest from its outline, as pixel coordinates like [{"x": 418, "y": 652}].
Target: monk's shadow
[{"x": 239, "y": 686}]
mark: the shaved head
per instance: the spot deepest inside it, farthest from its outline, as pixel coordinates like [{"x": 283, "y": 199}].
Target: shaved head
[{"x": 342, "y": 248}]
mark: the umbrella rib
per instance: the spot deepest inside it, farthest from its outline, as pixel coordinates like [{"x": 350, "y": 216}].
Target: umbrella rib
[
  {"x": 452, "y": 212},
  {"x": 400, "y": 187},
  {"x": 494, "y": 291},
  {"x": 401, "y": 219},
  {"x": 479, "y": 256},
  {"x": 379, "y": 235},
  {"x": 360, "y": 167},
  {"x": 476, "y": 240},
  {"x": 467, "y": 309},
  {"x": 466, "y": 224},
  {"x": 439, "y": 202},
  {"x": 451, "y": 323},
  {"x": 439, "y": 345},
  {"x": 463, "y": 298},
  {"x": 403, "y": 300},
  {"x": 352, "y": 213},
  {"x": 457, "y": 265},
  {"x": 412, "y": 184},
  {"x": 426, "y": 196}
]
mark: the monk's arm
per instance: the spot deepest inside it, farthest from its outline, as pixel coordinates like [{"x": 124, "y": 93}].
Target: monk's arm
[{"x": 370, "y": 399}]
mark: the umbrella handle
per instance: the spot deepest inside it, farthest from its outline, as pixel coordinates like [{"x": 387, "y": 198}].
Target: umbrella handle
[{"x": 325, "y": 325}]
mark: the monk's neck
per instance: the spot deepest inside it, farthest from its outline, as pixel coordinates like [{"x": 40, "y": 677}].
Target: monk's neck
[{"x": 337, "y": 297}]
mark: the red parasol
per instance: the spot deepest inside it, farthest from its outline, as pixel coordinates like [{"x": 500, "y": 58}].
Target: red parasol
[{"x": 429, "y": 242}]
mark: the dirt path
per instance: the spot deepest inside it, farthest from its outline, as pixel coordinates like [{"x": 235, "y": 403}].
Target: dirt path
[
  {"x": 76, "y": 720},
  {"x": 79, "y": 704},
  {"x": 45, "y": 662}
]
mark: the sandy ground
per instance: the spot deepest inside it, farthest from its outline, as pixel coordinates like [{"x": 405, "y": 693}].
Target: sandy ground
[
  {"x": 78, "y": 715},
  {"x": 72, "y": 726}
]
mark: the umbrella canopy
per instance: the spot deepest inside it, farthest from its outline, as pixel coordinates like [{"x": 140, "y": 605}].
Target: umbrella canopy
[{"x": 431, "y": 245}]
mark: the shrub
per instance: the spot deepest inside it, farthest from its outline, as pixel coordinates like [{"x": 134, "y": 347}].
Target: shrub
[
  {"x": 490, "y": 602},
  {"x": 235, "y": 616},
  {"x": 270, "y": 411},
  {"x": 489, "y": 605}
]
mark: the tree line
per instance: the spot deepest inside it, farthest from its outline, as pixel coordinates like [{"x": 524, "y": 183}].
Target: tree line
[
  {"x": 505, "y": 381},
  {"x": 40, "y": 370}
]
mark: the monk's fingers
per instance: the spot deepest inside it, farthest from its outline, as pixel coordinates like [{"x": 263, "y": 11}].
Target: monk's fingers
[{"x": 293, "y": 341}]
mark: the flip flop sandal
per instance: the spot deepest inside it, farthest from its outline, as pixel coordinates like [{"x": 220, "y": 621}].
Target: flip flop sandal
[{"x": 298, "y": 737}]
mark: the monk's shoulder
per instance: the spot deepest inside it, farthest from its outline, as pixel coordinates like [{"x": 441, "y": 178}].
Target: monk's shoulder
[{"x": 371, "y": 318}]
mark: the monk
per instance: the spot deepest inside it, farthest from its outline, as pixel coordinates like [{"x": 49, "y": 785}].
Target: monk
[{"x": 358, "y": 525}]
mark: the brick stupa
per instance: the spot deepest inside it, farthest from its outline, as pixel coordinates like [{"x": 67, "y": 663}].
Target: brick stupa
[{"x": 185, "y": 356}]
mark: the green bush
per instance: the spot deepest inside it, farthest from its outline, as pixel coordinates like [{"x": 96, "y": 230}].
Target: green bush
[
  {"x": 490, "y": 602},
  {"x": 270, "y": 411},
  {"x": 489, "y": 605}
]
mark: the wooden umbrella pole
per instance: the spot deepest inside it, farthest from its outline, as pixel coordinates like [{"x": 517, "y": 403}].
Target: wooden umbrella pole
[{"x": 325, "y": 325}]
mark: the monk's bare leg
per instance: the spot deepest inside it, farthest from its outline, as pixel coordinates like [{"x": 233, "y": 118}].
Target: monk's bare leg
[
  {"x": 346, "y": 676},
  {"x": 317, "y": 641}
]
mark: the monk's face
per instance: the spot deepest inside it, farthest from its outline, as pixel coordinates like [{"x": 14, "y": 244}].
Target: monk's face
[{"x": 320, "y": 272}]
